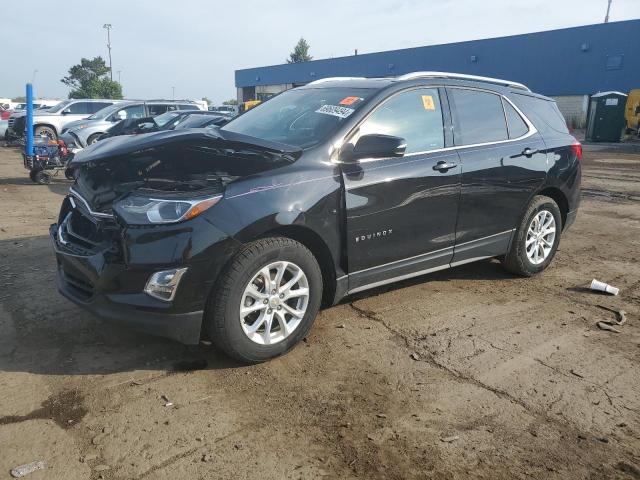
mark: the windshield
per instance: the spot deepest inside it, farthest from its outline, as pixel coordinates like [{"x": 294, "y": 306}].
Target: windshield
[
  {"x": 106, "y": 111},
  {"x": 302, "y": 117},
  {"x": 195, "y": 121},
  {"x": 162, "y": 120},
  {"x": 56, "y": 108}
]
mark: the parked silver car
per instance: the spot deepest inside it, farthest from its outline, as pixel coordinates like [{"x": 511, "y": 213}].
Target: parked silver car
[
  {"x": 50, "y": 122},
  {"x": 84, "y": 132}
]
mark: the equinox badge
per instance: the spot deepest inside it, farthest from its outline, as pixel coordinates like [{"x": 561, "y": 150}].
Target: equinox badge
[{"x": 369, "y": 236}]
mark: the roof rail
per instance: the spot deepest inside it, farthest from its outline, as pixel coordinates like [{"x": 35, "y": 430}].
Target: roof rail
[
  {"x": 462, "y": 76},
  {"x": 331, "y": 79}
]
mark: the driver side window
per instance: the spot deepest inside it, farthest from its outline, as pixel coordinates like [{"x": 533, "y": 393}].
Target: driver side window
[{"x": 415, "y": 115}]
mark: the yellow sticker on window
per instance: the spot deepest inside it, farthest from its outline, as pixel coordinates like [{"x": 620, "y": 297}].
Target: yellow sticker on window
[{"x": 427, "y": 102}]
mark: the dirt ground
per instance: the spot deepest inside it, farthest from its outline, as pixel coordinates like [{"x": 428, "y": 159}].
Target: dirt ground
[{"x": 467, "y": 373}]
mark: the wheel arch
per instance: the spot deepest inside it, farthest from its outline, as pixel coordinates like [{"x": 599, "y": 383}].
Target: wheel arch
[
  {"x": 560, "y": 198},
  {"x": 48, "y": 125},
  {"x": 320, "y": 250}
]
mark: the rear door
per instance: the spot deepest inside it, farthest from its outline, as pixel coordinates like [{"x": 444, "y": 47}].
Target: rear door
[
  {"x": 401, "y": 212},
  {"x": 502, "y": 164}
]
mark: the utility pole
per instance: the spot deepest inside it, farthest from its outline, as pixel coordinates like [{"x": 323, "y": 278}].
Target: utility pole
[
  {"x": 108, "y": 27},
  {"x": 606, "y": 18},
  {"x": 119, "y": 72},
  {"x": 173, "y": 93},
  {"x": 33, "y": 77}
]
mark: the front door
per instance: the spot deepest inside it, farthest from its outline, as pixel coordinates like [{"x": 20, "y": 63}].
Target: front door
[{"x": 401, "y": 212}]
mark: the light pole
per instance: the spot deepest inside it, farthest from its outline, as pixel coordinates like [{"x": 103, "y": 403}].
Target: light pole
[
  {"x": 606, "y": 18},
  {"x": 119, "y": 72},
  {"x": 173, "y": 93},
  {"x": 108, "y": 27},
  {"x": 33, "y": 77}
]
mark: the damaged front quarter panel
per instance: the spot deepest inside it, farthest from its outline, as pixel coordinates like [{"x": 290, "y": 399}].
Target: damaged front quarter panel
[{"x": 187, "y": 170}]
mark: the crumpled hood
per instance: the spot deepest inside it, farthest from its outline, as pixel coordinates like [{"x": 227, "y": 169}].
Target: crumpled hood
[{"x": 118, "y": 146}]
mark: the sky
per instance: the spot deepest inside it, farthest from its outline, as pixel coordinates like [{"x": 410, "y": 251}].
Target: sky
[{"x": 196, "y": 45}]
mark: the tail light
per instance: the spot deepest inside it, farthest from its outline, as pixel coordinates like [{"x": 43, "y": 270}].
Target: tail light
[
  {"x": 5, "y": 114},
  {"x": 576, "y": 148}
]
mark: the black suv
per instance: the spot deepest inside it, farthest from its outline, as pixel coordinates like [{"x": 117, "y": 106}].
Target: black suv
[{"x": 239, "y": 234}]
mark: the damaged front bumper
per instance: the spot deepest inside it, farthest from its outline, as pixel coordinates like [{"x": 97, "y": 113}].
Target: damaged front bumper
[{"x": 104, "y": 268}]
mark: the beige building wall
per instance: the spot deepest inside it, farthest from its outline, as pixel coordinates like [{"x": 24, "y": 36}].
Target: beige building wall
[{"x": 574, "y": 109}]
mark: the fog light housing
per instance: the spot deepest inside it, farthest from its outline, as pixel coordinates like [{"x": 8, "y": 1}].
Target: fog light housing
[{"x": 164, "y": 285}]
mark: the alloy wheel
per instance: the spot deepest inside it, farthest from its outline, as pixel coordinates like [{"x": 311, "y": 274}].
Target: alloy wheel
[
  {"x": 274, "y": 302},
  {"x": 540, "y": 237}
]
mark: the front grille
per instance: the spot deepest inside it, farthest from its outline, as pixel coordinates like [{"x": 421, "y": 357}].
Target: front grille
[
  {"x": 11, "y": 121},
  {"x": 80, "y": 233},
  {"x": 18, "y": 125},
  {"x": 83, "y": 231},
  {"x": 80, "y": 287}
]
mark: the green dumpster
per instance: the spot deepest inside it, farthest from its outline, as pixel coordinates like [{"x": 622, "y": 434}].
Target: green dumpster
[{"x": 605, "y": 116}]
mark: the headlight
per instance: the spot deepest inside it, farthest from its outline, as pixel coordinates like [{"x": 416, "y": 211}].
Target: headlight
[
  {"x": 136, "y": 210},
  {"x": 84, "y": 125}
]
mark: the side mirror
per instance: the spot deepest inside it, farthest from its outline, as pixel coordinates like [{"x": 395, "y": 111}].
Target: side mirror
[
  {"x": 122, "y": 115},
  {"x": 374, "y": 146},
  {"x": 66, "y": 111}
]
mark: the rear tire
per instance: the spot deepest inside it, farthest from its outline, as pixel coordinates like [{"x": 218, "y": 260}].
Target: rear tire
[
  {"x": 231, "y": 331},
  {"x": 536, "y": 239},
  {"x": 43, "y": 130}
]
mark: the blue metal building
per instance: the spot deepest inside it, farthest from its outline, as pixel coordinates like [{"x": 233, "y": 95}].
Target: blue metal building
[{"x": 568, "y": 64}]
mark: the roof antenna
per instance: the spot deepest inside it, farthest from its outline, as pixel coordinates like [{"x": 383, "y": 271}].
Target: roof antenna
[{"x": 606, "y": 18}]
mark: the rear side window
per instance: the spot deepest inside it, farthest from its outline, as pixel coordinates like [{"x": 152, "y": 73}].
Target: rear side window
[
  {"x": 414, "y": 115},
  {"x": 131, "y": 111},
  {"x": 79, "y": 108},
  {"x": 156, "y": 109},
  {"x": 97, "y": 106},
  {"x": 515, "y": 123},
  {"x": 189, "y": 106},
  {"x": 542, "y": 113},
  {"x": 478, "y": 117}
]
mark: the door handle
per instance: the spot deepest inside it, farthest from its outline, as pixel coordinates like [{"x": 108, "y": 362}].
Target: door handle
[
  {"x": 528, "y": 152},
  {"x": 443, "y": 166}
]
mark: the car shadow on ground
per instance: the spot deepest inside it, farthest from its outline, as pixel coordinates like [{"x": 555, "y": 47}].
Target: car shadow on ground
[
  {"x": 59, "y": 184},
  {"x": 489, "y": 269},
  {"x": 41, "y": 332}
]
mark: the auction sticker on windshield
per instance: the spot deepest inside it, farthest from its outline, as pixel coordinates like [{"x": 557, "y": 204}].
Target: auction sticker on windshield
[
  {"x": 349, "y": 100},
  {"x": 427, "y": 102},
  {"x": 335, "y": 110}
]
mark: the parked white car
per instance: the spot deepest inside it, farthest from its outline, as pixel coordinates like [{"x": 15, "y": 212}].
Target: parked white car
[{"x": 50, "y": 122}]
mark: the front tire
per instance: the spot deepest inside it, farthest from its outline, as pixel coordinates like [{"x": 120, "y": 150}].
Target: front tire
[
  {"x": 93, "y": 138},
  {"x": 536, "y": 239},
  {"x": 265, "y": 301},
  {"x": 40, "y": 177}
]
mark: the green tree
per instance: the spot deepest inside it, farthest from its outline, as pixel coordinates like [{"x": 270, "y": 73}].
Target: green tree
[
  {"x": 20, "y": 99},
  {"x": 208, "y": 100},
  {"x": 300, "y": 52},
  {"x": 89, "y": 79},
  {"x": 233, "y": 101}
]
